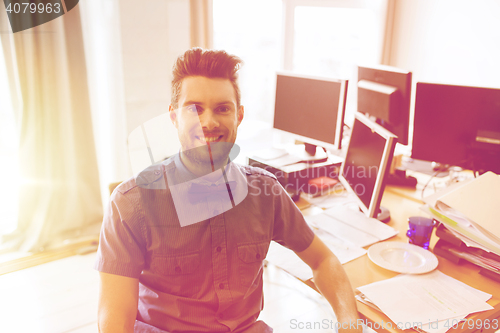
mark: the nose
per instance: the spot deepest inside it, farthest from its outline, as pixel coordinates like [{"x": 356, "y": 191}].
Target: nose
[{"x": 208, "y": 120}]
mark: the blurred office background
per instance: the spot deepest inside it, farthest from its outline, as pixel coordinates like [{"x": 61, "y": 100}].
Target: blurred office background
[{"x": 73, "y": 89}]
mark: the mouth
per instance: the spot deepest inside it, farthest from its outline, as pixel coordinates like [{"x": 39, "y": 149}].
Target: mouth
[{"x": 209, "y": 138}]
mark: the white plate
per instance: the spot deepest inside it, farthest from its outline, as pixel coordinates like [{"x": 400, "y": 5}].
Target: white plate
[{"x": 402, "y": 257}]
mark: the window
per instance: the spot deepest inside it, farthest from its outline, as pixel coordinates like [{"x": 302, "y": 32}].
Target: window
[
  {"x": 9, "y": 165},
  {"x": 316, "y": 37},
  {"x": 252, "y": 31}
]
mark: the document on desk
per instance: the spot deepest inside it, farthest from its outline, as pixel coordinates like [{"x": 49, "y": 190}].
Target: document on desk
[
  {"x": 471, "y": 208},
  {"x": 431, "y": 327},
  {"x": 287, "y": 260},
  {"x": 351, "y": 226},
  {"x": 425, "y": 298}
]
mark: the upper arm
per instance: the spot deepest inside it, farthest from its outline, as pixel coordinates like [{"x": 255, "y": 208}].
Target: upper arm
[{"x": 118, "y": 299}]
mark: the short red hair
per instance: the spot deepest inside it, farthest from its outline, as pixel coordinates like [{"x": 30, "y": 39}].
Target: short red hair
[{"x": 207, "y": 63}]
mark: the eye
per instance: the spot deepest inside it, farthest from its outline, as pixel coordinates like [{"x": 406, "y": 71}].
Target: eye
[
  {"x": 223, "y": 109},
  {"x": 193, "y": 108}
]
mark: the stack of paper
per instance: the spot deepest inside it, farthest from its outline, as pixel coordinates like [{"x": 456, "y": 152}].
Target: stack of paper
[
  {"x": 431, "y": 302},
  {"x": 471, "y": 210}
]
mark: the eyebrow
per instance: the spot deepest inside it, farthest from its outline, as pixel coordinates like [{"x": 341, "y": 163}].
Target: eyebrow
[{"x": 200, "y": 103}]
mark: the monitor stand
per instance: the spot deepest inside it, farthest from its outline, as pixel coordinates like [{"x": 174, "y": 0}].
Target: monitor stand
[
  {"x": 310, "y": 153},
  {"x": 384, "y": 215}
]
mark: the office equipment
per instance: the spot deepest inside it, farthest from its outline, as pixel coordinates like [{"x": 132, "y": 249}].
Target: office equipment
[
  {"x": 362, "y": 271},
  {"x": 368, "y": 157},
  {"x": 296, "y": 175},
  {"x": 312, "y": 109},
  {"x": 384, "y": 93},
  {"x": 457, "y": 125}
]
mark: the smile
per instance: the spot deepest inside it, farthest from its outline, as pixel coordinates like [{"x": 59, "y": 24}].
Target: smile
[{"x": 209, "y": 138}]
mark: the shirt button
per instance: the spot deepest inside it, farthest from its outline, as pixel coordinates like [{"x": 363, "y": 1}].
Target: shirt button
[
  {"x": 177, "y": 269},
  {"x": 221, "y": 285},
  {"x": 218, "y": 249},
  {"x": 257, "y": 256}
]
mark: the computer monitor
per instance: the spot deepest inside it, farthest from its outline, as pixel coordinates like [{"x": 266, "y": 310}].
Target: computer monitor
[
  {"x": 457, "y": 125},
  {"x": 384, "y": 93},
  {"x": 369, "y": 155},
  {"x": 312, "y": 109}
]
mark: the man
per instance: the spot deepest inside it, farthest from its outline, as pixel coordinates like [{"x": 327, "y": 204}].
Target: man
[{"x": 182, "y": 245}]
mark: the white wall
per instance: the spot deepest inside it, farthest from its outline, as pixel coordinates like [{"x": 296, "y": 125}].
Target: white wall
[
  {"x": 152, "y": 37},
  {"x": 153, "y": 34},
  {"x": 448, "y": 41},
  {"x": 130, "y": 50}
]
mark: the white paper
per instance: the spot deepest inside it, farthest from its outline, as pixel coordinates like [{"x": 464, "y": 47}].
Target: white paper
[
  {"x": 287, "y": 260},
  {"x": 425, "y": 298},
  {"x": 470, "y": 232},
  {"x": 341, "y": 230},
  {"x": 360, "y": 221},
  {"x": 351, "y": 226},
  {"x": 343, "y": 251}
]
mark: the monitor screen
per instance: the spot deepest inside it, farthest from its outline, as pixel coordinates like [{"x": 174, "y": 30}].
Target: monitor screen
[
  {"x": 369, "y": 155},
  {"x": 311, "y": 108},
  {"x": 385, "y": 93},
  {"x": 449, "y": 118}
]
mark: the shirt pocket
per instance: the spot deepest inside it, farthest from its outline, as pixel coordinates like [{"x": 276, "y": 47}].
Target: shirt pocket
[
  {"x": 179, "y": 274},
  {"x": 251, "y": 256}
]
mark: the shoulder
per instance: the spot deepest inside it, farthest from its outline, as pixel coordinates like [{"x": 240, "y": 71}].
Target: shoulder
[
  {"x": 151, "y": 177},
  {"x": 255, "y": 171}
]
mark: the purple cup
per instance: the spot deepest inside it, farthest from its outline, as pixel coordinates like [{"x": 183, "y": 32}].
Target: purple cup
[{"x": 420, "y": 230}]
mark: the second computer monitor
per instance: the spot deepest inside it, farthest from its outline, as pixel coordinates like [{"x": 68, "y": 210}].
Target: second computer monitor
[
  {"x": 457, "y": 125},
  {"x": 367, "y": 161},
  {"x": 311, "y": 108},
  {"x": 384, "y": 92}
]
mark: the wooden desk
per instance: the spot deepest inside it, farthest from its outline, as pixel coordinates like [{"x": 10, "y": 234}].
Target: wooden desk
[{"x": 362, "y": 271}]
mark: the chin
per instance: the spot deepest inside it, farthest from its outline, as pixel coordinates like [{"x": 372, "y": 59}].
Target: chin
[
  {"x": 198, "y": 155},
  {"x": 219, "y": 152}
]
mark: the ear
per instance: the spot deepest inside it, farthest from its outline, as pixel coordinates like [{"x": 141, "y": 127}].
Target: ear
[
  {"x": 241, "y": 113},
  {"x": 173, "y": 115}
]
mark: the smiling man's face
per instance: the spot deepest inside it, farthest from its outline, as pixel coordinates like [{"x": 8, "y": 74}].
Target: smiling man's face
[{"x": 206, "y": 120}]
